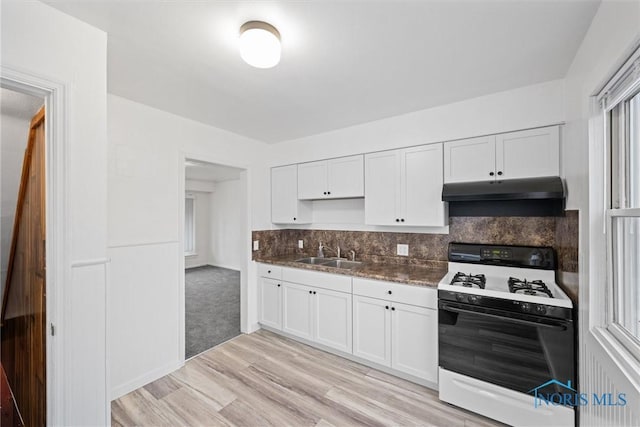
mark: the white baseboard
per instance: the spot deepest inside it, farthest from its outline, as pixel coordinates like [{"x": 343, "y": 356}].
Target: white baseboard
[
  {"x": 228, "y": 267},
  {"x": 144, "y": 379}
]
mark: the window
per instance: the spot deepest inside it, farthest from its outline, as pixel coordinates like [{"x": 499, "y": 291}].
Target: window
[
  {"x": 621, "y": 106},
  {"x": 190, "y": 226}
]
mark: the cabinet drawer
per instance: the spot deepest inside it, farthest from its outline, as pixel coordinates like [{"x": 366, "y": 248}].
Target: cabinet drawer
[
  {"x": 271, "y": 271},
  {"x": 396, "y": 292},
  {"x": 334, "y": 282}
]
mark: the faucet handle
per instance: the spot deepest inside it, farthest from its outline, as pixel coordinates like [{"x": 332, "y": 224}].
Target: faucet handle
[{"x": 353, "y": 255}]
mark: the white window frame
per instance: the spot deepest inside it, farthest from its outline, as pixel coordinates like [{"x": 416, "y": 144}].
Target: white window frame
[
  {"x": 193, "y": 252},
  {"x": 614, "y": 99}
]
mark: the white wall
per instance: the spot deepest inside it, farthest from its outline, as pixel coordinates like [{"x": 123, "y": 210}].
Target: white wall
[
  {"x": 203, "y": 230},
  {"x": 14, "y": 132},
  {"x": 527, "y": 107},
  {"x": 614, "y": 31},
  {"x": 43, "y": 42},
  {"x": 145, "y": 169},
  {"x": 228, "y": 210}
]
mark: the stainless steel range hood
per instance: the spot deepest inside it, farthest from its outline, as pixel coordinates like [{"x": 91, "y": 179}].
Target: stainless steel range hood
[{"x": 513, "y": 197}]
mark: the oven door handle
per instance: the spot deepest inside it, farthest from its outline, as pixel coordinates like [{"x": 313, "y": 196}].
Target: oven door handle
[{"x": 558, "y": 326}]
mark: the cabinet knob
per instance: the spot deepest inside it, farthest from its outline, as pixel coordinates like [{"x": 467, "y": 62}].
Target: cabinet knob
[
  {"x": 499, "y": 172},
  {"x": 269, "y": 271},
  {"x": 314, "y": 292},
  {"x": 386, "y": 307},
  {"x": 325, "y": 193},
  {"x": 310, "y": 292},
  {"x": 389, "y": 292},
  {"x": 278, "y": 284},
  {"x": 402, "y": 220},
  {"x": 294, "y": 218},
  {"x": 393, "y": 309},
  {"x": 328, "y": 192},
  {"x": 397, "y": 219},
  {"x": 491, "y": 174}
]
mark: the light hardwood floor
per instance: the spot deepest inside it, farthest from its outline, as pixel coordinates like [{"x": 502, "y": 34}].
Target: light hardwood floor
[{"x": 263, "y": 379}]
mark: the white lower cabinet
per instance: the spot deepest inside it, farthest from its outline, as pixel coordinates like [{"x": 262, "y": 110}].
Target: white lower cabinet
[
  {"x": 318, "y": 315},
  {"x": 372, "y": 329},
  {"x": 297, "y": 305},
  {"x": 401, "y": 336},
  {"x": 332, "y": 319},
  {"x": 271, "y": 303},
  {"x": 414, "y": 341},
  {"x": 370, "y": 319}
]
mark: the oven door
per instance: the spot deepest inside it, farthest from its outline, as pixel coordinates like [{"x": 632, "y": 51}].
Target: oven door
[{"x": 514, "y": 350}]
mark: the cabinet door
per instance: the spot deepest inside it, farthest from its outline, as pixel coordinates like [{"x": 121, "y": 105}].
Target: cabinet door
[
  {"x": 332, "y": 319},
  {"x": 470, "y": 159},
  {"x": 297, "y": 305},
  {"x": 421, "y": 183},
  {"x": 414, "y": 332},
  {"x": 529, "y": 153},
  {"x": 285, "y": 206},
  {"x": 372, "y": 329},
  {"x": 312, "y": 180},
  {"x": 382, "y": 188},
  {"x": 345, "y": 177},
  {"x": 271, "y": 303}
]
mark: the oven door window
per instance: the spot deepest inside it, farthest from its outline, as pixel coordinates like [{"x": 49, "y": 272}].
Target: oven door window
[{"x": 513, "y": 350}]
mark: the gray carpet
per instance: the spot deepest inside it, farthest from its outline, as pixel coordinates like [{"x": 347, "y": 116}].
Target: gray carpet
[{"x": 212, "y": 296}]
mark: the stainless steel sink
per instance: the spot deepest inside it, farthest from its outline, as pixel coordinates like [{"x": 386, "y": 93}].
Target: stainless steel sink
[
  {"x": 313, "y": 260},
  {"x": 342, "y": 263}
]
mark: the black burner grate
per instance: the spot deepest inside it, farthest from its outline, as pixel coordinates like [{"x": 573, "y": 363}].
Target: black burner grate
[
  {"x": 534, "y": 287},
  {"x": 469, "y": 280}
]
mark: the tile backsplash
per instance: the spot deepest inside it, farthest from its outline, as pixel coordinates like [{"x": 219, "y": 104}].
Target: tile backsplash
[{"x": 425, "y": 249}]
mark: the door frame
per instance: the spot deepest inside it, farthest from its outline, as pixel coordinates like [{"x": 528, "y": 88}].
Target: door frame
[
  {"x": 58, "y": 268},
  {"x": 245, "y": 296}
]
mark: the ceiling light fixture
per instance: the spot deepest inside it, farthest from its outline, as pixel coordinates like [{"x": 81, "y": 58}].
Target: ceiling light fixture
[{"x": 260, "y": 44}]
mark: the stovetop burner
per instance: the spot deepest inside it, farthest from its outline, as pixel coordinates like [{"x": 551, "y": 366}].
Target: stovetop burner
[
  {"x": 469, "y": 280},
  {"x": 535, "y": 287}
]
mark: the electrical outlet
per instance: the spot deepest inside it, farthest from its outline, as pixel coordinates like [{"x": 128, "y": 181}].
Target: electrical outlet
[
  {"x": 403, "y": 250},
  {"x": 256, "y": 245},
  {"x": 300, "y": 244}
]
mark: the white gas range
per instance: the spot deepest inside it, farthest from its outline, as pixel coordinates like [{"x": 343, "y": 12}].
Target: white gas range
[{"x": 505, "y": 329}]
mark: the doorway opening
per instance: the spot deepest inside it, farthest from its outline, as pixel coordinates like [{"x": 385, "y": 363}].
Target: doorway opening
[
  {"x": 214, "y": 253},
  {"x": 23, "y": 284}
]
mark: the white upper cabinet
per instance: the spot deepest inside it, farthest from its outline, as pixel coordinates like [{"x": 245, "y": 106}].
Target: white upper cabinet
[
  {"x": 285, "y": 206},
  {"x": 421, "y": 186},
  {"x": 522, "y": 154},
  {"x": 471, "y": 159},
  {"x": 339, "y": 178},
  {"x": 528, "y": 153},
  {"x": 404, "y": 187},
  {"x": 382, "y": 192}
]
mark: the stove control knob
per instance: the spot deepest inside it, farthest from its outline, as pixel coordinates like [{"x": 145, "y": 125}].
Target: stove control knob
[
  {"x": 525, "y": 307},
  {"x": 460, "y": 297},
  {"x": 541, "y": 309},
  {"x": 473, "y": 299}
]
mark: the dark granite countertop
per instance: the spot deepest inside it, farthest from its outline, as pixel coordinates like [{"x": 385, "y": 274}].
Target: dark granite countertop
[{"x": 409, "y": 274}]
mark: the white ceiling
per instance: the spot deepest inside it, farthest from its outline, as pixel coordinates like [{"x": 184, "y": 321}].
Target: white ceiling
[
  {"x": 19, "y": 105},
  {"x": 343, "y": 62},
  {"x": 201, "y": 171}
]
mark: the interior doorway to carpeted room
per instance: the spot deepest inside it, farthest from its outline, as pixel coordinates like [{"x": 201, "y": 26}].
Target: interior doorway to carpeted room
[{"x": 213, "y": 251}]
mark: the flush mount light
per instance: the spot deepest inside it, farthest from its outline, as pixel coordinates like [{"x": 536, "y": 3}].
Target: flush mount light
[{"x": 259, "y": 44}]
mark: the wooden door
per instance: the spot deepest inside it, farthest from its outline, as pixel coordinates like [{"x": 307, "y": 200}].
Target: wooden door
[{"x": 24, "y": 301}]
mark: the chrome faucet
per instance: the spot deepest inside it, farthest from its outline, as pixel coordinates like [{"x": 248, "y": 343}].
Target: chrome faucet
[
  {"x": 353, "y": 255},
  {"x": 338, "y": 251},
  {"x": 320, "y": 250}
]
